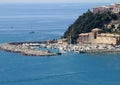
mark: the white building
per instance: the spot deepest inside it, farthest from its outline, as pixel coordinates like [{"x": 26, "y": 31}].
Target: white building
[{"x": 116, "y": 8}]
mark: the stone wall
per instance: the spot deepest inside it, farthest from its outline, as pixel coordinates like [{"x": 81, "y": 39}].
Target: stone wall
[
  {"x": 99, "y": 38},
  {"x": 105, "y": 40}
]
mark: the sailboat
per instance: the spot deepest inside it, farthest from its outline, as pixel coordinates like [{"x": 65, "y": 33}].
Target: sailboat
[{"x": 31, "y": 32}]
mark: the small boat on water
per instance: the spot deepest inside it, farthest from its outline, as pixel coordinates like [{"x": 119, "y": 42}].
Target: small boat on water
[
  {"x": 79, "y": 51},
  {"x": 32, "y": 32},
  {"x": 59, "y": 53},
  {"x": 82, "y": 52}
]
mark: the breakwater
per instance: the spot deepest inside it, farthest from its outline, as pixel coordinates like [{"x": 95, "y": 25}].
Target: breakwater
[{"x": 25, "y": 50}]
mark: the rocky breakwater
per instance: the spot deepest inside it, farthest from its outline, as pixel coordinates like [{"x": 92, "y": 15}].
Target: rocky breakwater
[{"x": 25, "y": 50}]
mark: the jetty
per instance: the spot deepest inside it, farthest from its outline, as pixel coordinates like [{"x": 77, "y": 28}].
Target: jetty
[{"x": 25, "y": 50}]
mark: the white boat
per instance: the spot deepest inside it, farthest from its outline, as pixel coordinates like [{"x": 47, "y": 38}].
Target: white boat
[
  {"x": 61, "y": 50},
  {"x": 79, "y": 51}
]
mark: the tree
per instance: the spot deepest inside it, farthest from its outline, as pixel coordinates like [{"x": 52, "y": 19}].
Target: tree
[{"x": 87, "y": 22}]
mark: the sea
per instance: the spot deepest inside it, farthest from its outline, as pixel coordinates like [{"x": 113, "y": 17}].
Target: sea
[{"x": 38, "y": 22}]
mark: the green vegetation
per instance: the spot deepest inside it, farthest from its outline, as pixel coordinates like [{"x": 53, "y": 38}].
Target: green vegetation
[{"x": 88, "y": 21}]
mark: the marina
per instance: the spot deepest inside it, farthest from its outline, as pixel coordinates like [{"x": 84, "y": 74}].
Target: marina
[{"x": 45, "y": 48}]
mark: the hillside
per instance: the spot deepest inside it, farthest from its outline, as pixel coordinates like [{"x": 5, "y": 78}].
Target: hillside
[{"x": 107, "y": 21}]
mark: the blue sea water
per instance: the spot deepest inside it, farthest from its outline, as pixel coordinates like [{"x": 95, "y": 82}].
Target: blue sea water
[{"x": 50, "y": 21}]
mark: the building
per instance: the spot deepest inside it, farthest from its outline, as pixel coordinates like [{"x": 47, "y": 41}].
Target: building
[
  {"x": 114, "y": 8},
  {"x": 101, "y": 9},
  {"x": 99, "y": 38},
  {"x": 62, "y": 41},
  {"x": 84, "y": 38},
  {"x": 111, "y": 7}
]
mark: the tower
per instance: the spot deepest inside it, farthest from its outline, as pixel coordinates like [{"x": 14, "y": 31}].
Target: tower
[{"x": 94, "y": 34}]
